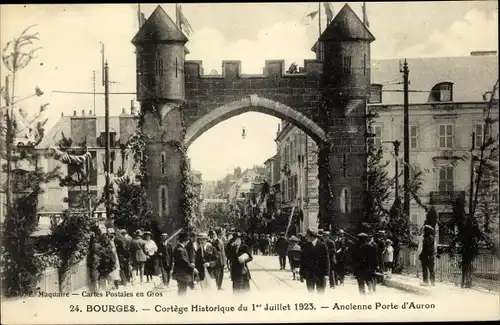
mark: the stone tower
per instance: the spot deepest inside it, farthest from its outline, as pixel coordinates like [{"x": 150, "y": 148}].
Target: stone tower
[
  {"x": 160, "y": 51},
  {"x": 346, "y": 87}
]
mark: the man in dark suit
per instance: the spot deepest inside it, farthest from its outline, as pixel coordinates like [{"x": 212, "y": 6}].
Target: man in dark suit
[
  {"x": 220, "y": 254},
  {"x": 330, "y": 244},
  {"x": 366, "y": 263},
  {"x": 314, "y": 262},
  {"x": 281, "y": 249},
  {"x": 191, "y": 248},
  {"x": 165, "y": 255},
  {"x": 183, "y": 267},
  {"x": 428, "y": 256}
]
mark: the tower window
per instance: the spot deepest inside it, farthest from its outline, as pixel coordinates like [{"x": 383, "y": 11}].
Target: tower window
[
  {"x": 163, "y": 160},
  {"x": 375, "y": 94},
  {"x": 345, "y": 198},
  {"x": 159, "y": 67},
  {"x": 364, "y": 64},
  {"x": 163, "y": 201},
  {"x": 176, "y": 68},
  {"x": 347, "y": 65}
]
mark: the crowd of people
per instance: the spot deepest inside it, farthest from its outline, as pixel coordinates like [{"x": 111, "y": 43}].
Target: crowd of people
[{"x": 317, "y": 257}]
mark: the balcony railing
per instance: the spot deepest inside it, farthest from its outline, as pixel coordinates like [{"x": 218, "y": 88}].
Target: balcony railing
[{"x": 446, "y": 197}]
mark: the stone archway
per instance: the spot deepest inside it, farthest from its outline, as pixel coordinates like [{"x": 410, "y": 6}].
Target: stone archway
[{"x": 254, "y": 103}]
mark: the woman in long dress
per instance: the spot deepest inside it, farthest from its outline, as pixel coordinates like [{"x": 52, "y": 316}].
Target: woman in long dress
[
  {"x": 150, "y": 249},
  {"x": 239, "y": 255},
  {"x": 114, "y": 276}
]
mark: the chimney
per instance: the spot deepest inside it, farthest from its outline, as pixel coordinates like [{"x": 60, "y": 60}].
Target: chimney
[
  {"x": 90, "y": 112},
  {"x": 133, "y": 107},
  {"x": 74, "y": 113},
  {"x": 62, "y": 114},
  {"x": 83, "y": 112},
  {"x": 123, "y": 110}
]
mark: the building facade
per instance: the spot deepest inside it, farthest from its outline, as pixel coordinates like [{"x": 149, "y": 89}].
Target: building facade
[
  {"x": 298, "y": 173},
  {"x": 446, "y": 103}
]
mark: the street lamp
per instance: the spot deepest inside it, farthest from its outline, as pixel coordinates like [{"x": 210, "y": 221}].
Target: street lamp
[{"x": 396, "y": 145}]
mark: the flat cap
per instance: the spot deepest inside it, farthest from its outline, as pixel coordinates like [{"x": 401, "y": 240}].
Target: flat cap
[
  {"x": 362, "y": 234},
  {"x": 312, "y": 232},
  {"x": 293, "y": 238}
]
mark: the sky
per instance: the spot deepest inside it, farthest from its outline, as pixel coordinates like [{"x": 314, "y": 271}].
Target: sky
[{"x": 71, "y": 36}]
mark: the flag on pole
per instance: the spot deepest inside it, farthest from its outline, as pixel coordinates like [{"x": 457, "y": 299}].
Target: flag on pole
[
  {"x": 365, "y": 16},
  {"x": 141, "y": 18},
  {"x": 182, "y": 21},
  {"x": 312, "y": 15},
  {"x": 328, "y": 11}
]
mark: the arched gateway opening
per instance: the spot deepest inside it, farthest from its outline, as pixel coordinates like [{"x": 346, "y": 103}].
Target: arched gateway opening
[
  {"x": 254, "y": 103},
  {"x": 326, "y": 98}
]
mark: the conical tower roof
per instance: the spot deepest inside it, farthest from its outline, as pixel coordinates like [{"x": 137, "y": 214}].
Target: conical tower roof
[
  {"x": 159, "y": 28},
  {"x": 346, "y": 26}
]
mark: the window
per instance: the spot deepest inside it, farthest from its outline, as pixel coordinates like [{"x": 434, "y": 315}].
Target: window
[
  {"x": 479, "y": 136},
  {"x": 347, "y": 65},
  {"x": 163, "y": 158},
  {"x": 293, "y": 152},
  {"x": 446, "y": 136},
  {"x": 159, "y": 67},
  {"x": 377, "y": 140},
  {"x": 112, "y": 158},
  {"x": 445, "y": 92},
  {"x": 345, "y": 200},
  {"x": 375, "y": 94},
  {"x": 413, "y": 137},
  {"x": 414, "y": 219},
  {"x": 112, "y": 139},
  {"x": 446, "y": 179},
  {"x": 163, "y": 204},
  {"x": 364, "y": 64}
]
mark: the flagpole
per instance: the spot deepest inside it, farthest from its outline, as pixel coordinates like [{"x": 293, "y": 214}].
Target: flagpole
[
  {"x": 319, "y": 18},
  {"x": 139, "y": 15},
  {"x": 177, "y": 20}
]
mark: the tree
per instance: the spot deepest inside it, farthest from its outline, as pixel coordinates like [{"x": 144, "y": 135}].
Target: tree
[
  {"x": 133, "y": 209},
  {"x": 21, "y": 264},
  {"x": 473, "y": 228},
  {"x": 378, "y": 190}
]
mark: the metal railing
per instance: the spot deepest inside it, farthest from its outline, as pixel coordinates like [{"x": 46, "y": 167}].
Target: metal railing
[
  {"x": 445, "y": 197},
  {"x": 486, "y": 269}
]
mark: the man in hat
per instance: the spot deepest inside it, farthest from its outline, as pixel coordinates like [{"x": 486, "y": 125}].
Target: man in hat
[
  {"x": 191, "y": 248},
  {"x": 366, "y": 263},
  {"x": 165, "y": 255},
  {"x": 281, "y": 248},
  {"x": 183, "y": 268},
  {"x": 427, "y": 256},
  {"x": 220, "y": 255},
  {"x": 380, "y": 241},
  {"x": 340, "y": 255},
  {"x": 330, "y": 244},
  {"x": 314, "y": 262}
]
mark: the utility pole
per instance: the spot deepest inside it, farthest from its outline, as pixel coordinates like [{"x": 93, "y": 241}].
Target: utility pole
[
  {"x": 396, "y": 145},
  {"x": 406, "y": 144},
  {"x": 472, "y": 173},
  {"x": 106, "y": 131},
  {"x": 8, "y": 144}
]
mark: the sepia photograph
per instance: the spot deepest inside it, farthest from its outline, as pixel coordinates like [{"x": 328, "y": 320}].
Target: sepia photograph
[{"x": 168, "y": 163}]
